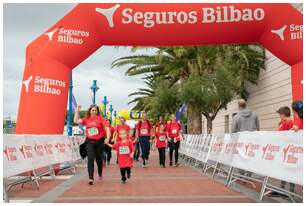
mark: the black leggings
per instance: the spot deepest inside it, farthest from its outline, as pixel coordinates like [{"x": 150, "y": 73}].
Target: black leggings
[
  {"x": 137, "y": 151},
  {"x": 162, "y": 155},
  {"x": 95, "y": 149},
  {"x": 108, "y": 153},
  {"x": 175, "y": 147},
  {"x": 125, "y": 171}
]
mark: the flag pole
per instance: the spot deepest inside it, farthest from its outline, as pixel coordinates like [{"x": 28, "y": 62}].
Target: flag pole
[{"x": 69, "y": 122}]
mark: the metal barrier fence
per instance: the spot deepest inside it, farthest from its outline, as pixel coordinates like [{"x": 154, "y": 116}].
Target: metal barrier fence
[
  {"x": 35, "y": 174},
  {"x": 197, "y": 150}
]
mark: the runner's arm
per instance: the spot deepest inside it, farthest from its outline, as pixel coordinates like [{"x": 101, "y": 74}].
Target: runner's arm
[
  {"x": 110, "y": 145},
  {"x": 76, "y": 119},
  {"x": 108, "y": 134}
]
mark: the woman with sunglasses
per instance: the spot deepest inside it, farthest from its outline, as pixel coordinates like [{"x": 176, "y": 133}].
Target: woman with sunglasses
[{"x": 97, "y": 134}]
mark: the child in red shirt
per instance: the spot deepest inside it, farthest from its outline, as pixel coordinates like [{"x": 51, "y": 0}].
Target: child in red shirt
[
  {"x": 125, "y": 153},
  {"x": 161, "y": 144},
  {"x": 286, "y": 122}
]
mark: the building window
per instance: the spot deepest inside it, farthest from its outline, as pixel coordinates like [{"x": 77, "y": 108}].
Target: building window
[{"x": 226, "y": 123}]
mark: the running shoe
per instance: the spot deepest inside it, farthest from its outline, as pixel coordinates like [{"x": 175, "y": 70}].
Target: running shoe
[{"x": 91, "y": 182}]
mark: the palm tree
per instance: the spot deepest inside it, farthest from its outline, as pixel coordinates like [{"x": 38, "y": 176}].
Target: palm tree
[
  {"x": 178, "y": 64},
  {"x": 157, "y": 98}
]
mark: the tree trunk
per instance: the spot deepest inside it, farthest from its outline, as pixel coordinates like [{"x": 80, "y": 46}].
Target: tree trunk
[
  {"x": 209, "y": 124},
  {"x": 194, "y": 120}
]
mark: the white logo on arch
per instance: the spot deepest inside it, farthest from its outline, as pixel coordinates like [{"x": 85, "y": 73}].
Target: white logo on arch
[
  {"x": 280, "y": 32},
  {"x": 50, "y": 34},
  {"x": 27, "y": 83},
  {"x": 109, "y": 14}
]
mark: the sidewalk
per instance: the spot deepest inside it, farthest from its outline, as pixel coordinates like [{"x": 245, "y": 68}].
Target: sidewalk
[{"x": 152, "y": 184}]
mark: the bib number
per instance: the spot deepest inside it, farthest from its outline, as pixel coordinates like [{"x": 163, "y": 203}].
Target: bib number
[
  {"x": 144, "y": 131},
  {"x": 124, "y": 150},
  {"x": 174, "y": 131},
  {"x": 162, "y": 138},
  {"x": 93, "y": 131}
]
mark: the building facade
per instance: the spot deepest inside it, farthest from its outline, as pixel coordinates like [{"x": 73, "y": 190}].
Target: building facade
[{"x": 272, "y": 91}]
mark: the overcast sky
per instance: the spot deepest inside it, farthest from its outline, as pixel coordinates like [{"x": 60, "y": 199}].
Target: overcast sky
[{"x": 23, "y": 23}]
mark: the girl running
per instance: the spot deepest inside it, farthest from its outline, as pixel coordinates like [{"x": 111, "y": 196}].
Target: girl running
[
  {"x": 161, "y": 143},
  {"x": 125, "y": 152}
]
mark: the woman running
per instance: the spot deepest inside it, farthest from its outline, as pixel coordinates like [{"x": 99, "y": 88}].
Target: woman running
[
  {"x": 97, "y": 134},
  {"x": 161, "y": 144},
  {"x": 174, "y": 133}
]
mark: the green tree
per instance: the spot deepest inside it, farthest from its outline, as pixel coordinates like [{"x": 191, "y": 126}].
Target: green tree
[
  {"x": 189, "y": 70},
  {"x": 159, "y": 98}
]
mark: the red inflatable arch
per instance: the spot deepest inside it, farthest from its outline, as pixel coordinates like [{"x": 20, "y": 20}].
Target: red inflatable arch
[{"x": 51, "y": 57}]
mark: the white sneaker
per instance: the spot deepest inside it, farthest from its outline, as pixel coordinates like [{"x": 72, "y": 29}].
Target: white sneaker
[{"x": 144, "y": 166}]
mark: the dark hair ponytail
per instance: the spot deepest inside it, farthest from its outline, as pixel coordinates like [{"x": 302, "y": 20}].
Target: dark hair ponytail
[{"x": 297, "y": 106}]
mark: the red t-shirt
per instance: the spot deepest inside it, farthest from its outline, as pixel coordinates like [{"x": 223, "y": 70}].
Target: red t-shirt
[
  {"x": 298, "y": 122},
  {"x": 95, "y": 127},
  {"x": 161, "y": 139},
  {"x": 173, "y": 129},
  {"x": 124, "y": 149},
  {"x": 285, "y": 125},
  {"x": 145, "y": 129}
]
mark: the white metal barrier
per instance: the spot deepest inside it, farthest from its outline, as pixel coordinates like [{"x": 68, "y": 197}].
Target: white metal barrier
[
  {"x": 268, "y": 154},
  {"x": 32, "y": 156}
]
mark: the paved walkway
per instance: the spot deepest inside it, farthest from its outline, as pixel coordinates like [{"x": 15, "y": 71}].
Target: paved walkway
[{"x": 152, "y": 184}]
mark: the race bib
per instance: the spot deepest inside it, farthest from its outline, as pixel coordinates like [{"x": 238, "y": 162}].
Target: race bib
[
  {"x": 93, "y": 131},
  {"x": 174, "y": 131},
  {"x": 124, "y": 150},
  {"x": 162, "y": 138},
  {"x": 144, "y": 131}
]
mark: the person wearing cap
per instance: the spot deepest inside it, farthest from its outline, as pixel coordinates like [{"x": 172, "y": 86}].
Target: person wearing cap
[{"x": 297, "y": 107}]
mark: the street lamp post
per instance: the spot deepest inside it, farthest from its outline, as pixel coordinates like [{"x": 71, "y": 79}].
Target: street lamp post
[
  {"x": 105, "y": 102},
  {"x": 94, "y": 87},
  {"x": 111, "y": 112}
]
